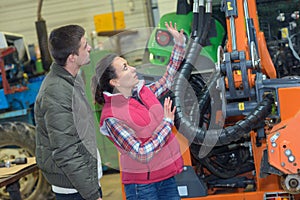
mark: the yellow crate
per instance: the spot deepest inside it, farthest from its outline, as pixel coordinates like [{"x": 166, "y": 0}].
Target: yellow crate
[{"x": 104, "y": 22}]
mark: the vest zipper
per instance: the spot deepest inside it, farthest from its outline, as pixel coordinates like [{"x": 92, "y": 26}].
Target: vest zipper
[{"x": 148, "y": 173}]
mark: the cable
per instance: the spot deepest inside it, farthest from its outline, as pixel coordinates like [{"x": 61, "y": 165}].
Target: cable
[{"x": 292, "y": 47}]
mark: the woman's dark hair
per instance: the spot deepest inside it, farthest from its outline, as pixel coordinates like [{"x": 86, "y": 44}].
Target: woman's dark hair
[
  {"x": 64, "y": 41},
  {"x": 104, "y": 73}
]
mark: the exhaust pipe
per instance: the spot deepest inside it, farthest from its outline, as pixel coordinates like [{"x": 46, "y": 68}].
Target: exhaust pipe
[{"x": 41, "y": 30}]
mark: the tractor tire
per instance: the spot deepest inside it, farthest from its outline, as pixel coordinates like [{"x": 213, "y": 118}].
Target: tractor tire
[{"x": 18, "y": 139}]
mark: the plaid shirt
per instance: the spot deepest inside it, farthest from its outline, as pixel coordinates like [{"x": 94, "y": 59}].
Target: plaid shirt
[
  {"x": 125, "y": 137},
  {"x": 164, "y": 83}
]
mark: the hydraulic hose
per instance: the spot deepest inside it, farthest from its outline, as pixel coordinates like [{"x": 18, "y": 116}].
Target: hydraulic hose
[
  {"x": 193, "y": 50},
  {"x": 204, "y": 99},
  {"x": 235, "y": 132},
  {"x": 207, "y": 18},
  {"x": 195, "y": 18},
  {"x": 220, "y": 169},
  {"x": 201, "y": 18}
]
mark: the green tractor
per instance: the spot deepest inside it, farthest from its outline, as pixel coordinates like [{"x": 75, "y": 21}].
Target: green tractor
[{"x": 160, "y": 43}]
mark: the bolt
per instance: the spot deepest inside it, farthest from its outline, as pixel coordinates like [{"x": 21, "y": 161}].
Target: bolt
[
  {"x": 291, "y": 158},
  {"x": 288, "y": 152}
]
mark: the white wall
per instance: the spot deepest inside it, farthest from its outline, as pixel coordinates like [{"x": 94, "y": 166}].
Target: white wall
[
  {"x": 19, "y": 16},
  {"x": 166, "y": 6}
]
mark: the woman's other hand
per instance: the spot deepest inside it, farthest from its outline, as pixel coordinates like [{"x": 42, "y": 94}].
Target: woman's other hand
[
  {"x": 178, "y": 36},
  {"x": 169, "y": 113}
]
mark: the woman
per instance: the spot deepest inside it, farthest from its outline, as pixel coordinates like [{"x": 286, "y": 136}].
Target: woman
[{"x": 141, "y": 129}]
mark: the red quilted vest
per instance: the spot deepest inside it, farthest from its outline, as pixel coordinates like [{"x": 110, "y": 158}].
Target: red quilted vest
[{"x": 143, "y": 119}]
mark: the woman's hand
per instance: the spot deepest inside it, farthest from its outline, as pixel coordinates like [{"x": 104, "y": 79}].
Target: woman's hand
[
  {"x": 169, "y": 113},
  {"x": 177, "y": 35}
]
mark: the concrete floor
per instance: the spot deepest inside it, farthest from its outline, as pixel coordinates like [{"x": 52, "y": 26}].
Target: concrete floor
[{"x": 111, "y": 186}]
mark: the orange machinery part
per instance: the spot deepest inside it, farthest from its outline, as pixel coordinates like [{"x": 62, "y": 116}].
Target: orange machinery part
[
  {"x": 284, "y": 136},
  {"x": 241, "y": 39},
  {"x": 269, "y": 184},
  {"x": 238, "y": 82}
]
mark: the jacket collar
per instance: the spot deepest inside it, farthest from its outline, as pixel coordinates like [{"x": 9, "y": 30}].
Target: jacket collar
[
  {"x": 62, "y": 72},
  {"x": 136, "y": 89}
]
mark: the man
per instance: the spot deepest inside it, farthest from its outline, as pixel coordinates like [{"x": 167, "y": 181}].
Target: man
[{"x": 66, "y": 149}]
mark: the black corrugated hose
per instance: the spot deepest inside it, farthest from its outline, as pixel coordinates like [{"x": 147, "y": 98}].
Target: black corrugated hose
[{"x": 241, "y": 128}]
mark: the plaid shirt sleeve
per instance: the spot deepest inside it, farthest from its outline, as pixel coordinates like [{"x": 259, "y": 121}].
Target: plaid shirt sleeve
[
  {"x": 126, "y": 139},
  {"x": 160, "y": 87}
]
